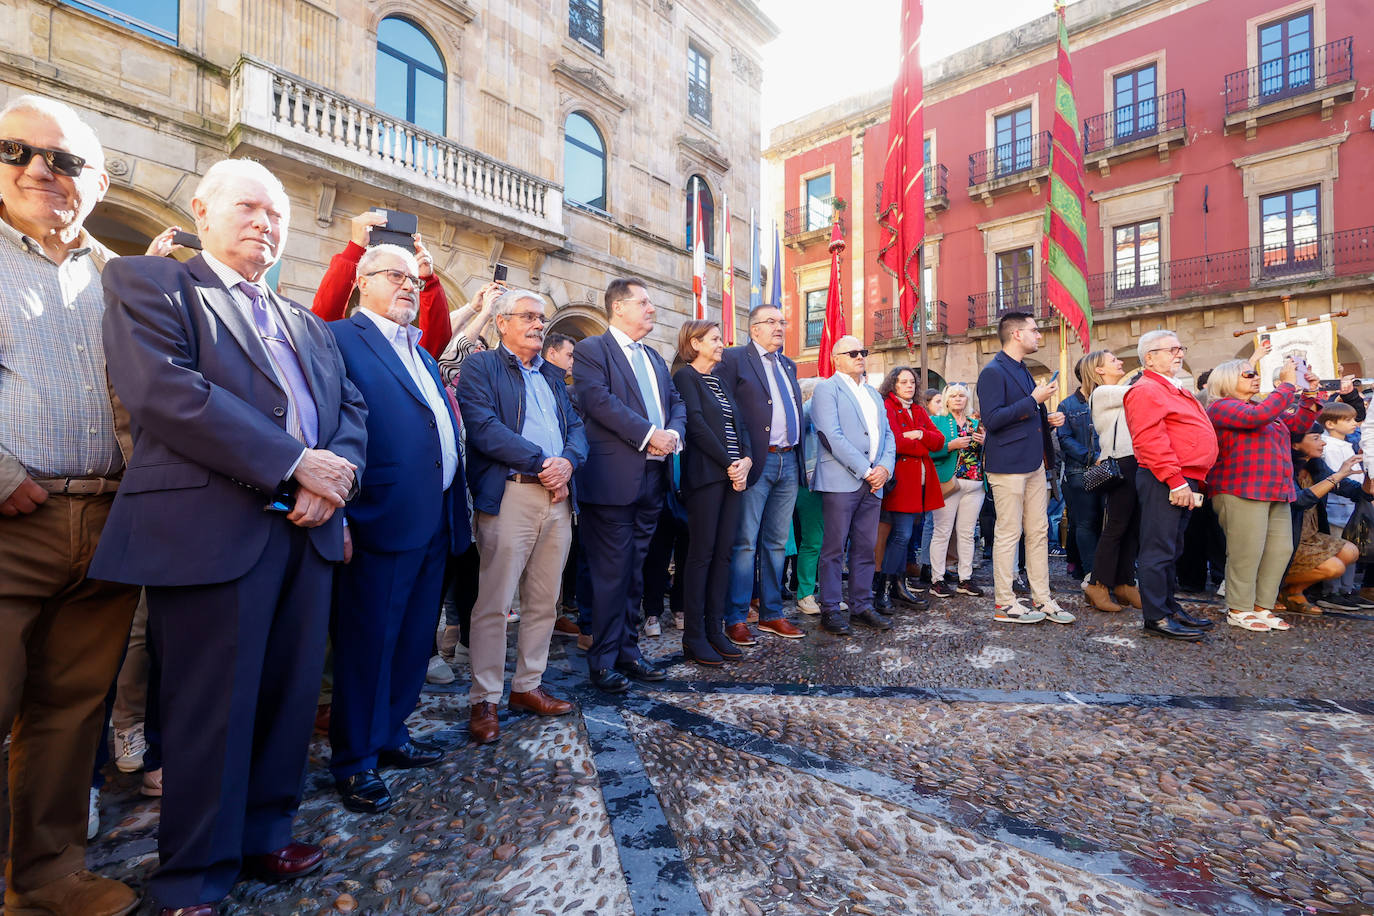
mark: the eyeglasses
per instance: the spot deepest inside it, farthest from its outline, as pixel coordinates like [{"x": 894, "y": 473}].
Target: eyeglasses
[
  {"x": 398, "y": 277},
  {"x": 59, "y": 162},
  {"x": 1249, "y": 373},
  {"x": 774, "y": 322},
  {"x": 527, "y": 317},
  {"x": 1174, "y": 351},
  {"x": 853, "y": 354},
  {"x": 642, "y": 303}
]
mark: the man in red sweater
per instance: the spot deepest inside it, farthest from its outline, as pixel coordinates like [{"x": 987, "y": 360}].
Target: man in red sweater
[
  {"x": 331, "y": 299},
  {"x": 1175, "y": 446}
]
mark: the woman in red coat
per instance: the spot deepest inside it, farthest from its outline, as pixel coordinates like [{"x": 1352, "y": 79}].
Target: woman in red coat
[{"x": 915, "y": 488}]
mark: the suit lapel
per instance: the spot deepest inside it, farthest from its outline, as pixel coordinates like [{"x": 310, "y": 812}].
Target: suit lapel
[
  {"x": 751, "y": 355},
  {"x": 373, "y": 337},
  {"x": 218, "y": 300},
  {"x": 1019, "y": 373},
  {"x": 616, "y": 356}
]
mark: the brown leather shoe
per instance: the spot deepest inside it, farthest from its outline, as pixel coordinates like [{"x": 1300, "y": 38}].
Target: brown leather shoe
[
  {"x": 584, "y": 642},
  {"x": 739, "y": 634},
  {"x": 291, "y": 861},
  {"x": 1100, "y": 598},
  {"x": 483, "y": 728},
  {"x": 565, "y": 626},
  {"x": 781, "y": 627},
  {"x": 539, "y": 702},
  {"x": 82, "y": 892},
  {"x": 753, "y": 616},
  {"x": 1128, "y": 594},
  {"x": 200, "y": 909}
]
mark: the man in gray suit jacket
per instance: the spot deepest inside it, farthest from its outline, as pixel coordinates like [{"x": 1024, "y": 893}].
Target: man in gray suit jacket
[
  {"x": 248, "y": 437},
  {"x": 856, "y": 460}
]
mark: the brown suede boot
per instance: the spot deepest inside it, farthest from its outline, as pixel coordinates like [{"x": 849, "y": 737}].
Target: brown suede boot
[
  {"x": 1100, "y": 598},
  {"x": 1129, "y": 595},
  {"x": 82, "y": 892}
]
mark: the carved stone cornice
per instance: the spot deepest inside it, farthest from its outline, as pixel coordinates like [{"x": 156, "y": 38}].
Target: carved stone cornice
[
  {"x": 701, "y": 150},
  {"x": 464, "y": 11},
  {"x": 588, "y": 80},
  {"x": 746, "y": 68}
]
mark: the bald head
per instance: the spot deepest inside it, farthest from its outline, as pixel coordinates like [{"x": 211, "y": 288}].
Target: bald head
[{"x": 848, "y": 354}]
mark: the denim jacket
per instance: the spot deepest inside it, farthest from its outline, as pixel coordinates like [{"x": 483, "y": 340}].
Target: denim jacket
[{"x": 1077, "y": 437}]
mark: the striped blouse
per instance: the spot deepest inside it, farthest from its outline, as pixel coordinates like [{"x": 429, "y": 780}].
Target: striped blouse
[{"x": 731, "y": 437}]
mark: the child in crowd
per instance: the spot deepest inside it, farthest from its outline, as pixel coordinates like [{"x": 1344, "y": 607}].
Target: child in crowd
[{"x": 1340, "y": 423}]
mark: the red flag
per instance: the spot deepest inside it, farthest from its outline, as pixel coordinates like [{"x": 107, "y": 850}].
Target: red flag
[
  {"x": 902, "y": 207},
  {"x": 834, "y": 327},
  {"x": 698, "y": 256},
  {"x": 1065, "y": 266}
]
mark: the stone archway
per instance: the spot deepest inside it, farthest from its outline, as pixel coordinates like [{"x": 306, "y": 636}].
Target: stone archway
[
  {"x": 577, "y": 322},
  {"x": 125, "y": 222}
]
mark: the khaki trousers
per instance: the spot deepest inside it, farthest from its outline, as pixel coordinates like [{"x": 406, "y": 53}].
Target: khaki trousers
[
  {"x": 1259, "y": 544},
  {"x": 61, "y": 637},
  {"x": 1022, "y": 504},
  {"x": 131, "y": 696},
  {"x": 523, "y": 547}
]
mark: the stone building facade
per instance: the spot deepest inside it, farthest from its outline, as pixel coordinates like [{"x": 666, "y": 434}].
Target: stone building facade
[{"x": 318, "y": 91}]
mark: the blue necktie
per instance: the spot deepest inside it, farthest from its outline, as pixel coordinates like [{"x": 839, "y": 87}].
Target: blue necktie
[
  {"x": 646, "y": 388},
  {"x": 785, "y": 392},
  {"x": 287, "y": 363}
]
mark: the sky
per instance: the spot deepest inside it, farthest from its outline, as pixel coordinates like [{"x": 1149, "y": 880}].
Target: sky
[{"x": 832, "y": 49}]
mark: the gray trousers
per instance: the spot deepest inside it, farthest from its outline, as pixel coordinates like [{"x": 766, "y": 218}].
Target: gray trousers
[{"x": 849, "y": 516}]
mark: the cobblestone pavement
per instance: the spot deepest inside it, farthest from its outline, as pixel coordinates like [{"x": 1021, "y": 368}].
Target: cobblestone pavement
[{"x": 951, "y": 765}]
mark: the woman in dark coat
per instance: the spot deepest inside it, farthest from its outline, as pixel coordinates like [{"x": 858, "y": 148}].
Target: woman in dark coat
[
  {"x": 715, "y": 465},
  {"x": 916, "y": 487}
]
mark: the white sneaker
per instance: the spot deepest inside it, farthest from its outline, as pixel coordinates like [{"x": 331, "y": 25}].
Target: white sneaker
[
  {"x": 438, "y": 672},
  {"x": 808, "y": 605},
  {"x": 1221, "y": 589},
  {"x": 652, "y": 627},
  {"x": 93, "y": 816},
  {"x": 1086, "y": 581},
  {"x": 130, "y": 745},
  {"x": 1054, "y": 612},
  {"x": 152, "y": 783}
]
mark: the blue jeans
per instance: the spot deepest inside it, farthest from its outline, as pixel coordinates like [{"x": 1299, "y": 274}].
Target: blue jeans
[
  {"x": 895, "y": 554},
  {"x": 764, "y": 522}
]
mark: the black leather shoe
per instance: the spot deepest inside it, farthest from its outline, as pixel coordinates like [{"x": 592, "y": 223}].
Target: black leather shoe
[
  {"x": 901, "y": 592},
  {"x": 880, "y": 599},
  {"x": 872, "y": 619},
  {"x": 1171, "y": 629},
  {"x": 364, "y": 792},
  {"x": 837, "y": 623},
  {"x": 1197, "y": 623},
  {"x": 641, "y": 670},
  {"x": 411, "y": 754},
  {"x": 609, "y": 680}
]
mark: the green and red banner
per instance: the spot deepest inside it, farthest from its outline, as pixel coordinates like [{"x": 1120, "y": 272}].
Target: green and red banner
[
  {"x": 1065, "y": 245},
  {"x": 902, "y": 206}
]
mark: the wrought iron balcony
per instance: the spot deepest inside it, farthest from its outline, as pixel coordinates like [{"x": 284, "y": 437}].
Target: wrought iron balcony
[
  {"x": 699, "y": 101},
  {"x": 586, "y": 24},
  {"x": 936, "y": 188},
  {"x": 814, "y": 217},
  {"x": 814, "y": 327},
  {"x": 889, "y": 330},
  {"x": 986, "y": 308},
  {"x": 1140, "y": 126},
  {"x": 1305, "y": 80},
  {"x": 1008, "y": 165},
  {"x": 300, "y": 123}
]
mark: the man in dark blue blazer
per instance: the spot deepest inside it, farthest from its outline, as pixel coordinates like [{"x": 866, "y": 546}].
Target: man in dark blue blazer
[
  {"x": 763, "y": 383},
  {"x": 409, "y": 517},
  {"x": 1017, "y": 451},
  {"x": 247, "y": 436},
  {"x": 634, "y": 422}
]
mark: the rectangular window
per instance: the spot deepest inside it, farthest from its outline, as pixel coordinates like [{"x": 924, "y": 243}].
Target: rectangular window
[
  {"x": 1289, "y": 224},
  {"x": 1137, "y": 259},
  {"x": 585, "y": 24},
  {"x": 698, "y": 84},
  {"x": 820, "y": 201},
  {"x": 1012, "y": 141},
  {"x": 928, "y": 297},
  {"x": 1015, "y": 280},
  {"x": 815, "y": 316},
  {"x": 1285, "y": 56},
  {"x": 928, "y": 176},
  {"x": 157, "y": 18},
  {"x": 1135, "y": 99}
]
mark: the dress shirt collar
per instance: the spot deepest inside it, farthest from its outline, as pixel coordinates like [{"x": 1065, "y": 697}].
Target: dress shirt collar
[
  {"x": 622, "y": 338},
  {"x": 226, "y": 274},
  {"x": 1165, "y": 379},
  {"x": 403, "y": 334},
  {"x": 760, "y": 350},
  {"x": 535, "y": 366},
  {"x": 849, "y": 381},
  {"x": 84, "y": 242}
]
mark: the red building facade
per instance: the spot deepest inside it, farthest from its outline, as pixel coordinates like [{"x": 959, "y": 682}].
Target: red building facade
[{"x": 1227, "y": 145}]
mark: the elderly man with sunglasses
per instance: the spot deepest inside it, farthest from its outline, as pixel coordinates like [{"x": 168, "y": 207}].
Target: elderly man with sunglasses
[
  {"x": 409, "y": 517},
  {"x": 62, "y": 631}
]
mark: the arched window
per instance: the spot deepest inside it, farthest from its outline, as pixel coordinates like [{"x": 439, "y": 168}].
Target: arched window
[
  {"x": 584, "y": 162},
  {"x": 410, "y": 75},
  {"x": 708, "y": 214}
]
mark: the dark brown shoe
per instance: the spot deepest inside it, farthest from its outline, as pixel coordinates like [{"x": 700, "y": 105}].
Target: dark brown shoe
[
  {"x": 565, "y": 626},
  {"x": 81, "y": 892},
  {"x": 291, "y": 861},
  {"x": 739, "y": 634},
  {"x": 483, "y": 728},
  {"x": 539, "y": 702}
]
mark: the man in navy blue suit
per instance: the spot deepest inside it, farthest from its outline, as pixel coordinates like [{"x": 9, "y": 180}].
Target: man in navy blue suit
[
  {"x": 409, "y": 516},
  {"x": 634, "y": 422},
  {"x": 1017, "y": 451}
]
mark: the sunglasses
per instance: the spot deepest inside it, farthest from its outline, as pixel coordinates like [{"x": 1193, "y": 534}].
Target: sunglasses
[
  {"x": 59, "y": 162},
  {"x": 854, "y": 354},
  {"x": 1249, "y": 373}
]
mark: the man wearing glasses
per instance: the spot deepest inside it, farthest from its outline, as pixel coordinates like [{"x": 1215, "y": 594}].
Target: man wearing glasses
[
  {"x": 763, "y": 383},
  {"x": 409, "y": 517},
  {"x": 635, "y": 421},
  {"x": 524, "y": 443},
  {"x": 1015, "y": 455},
  {"x": 62, "y": 632}
]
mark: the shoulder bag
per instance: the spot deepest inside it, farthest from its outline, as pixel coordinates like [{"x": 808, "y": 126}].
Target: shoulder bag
[{"x": 1106, "y": 473}]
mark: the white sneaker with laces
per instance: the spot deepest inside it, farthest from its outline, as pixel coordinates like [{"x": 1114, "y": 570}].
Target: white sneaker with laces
[
  {"x": 1054, "y": 612},
  {"x": 130, "y": 746},
  {"x": 652, "y": 627},
  {"x": 808, "y": 605},
  {"x": 1221, "y": 589},
  {"x": 93, "y": 816},
  {"x": 438, "y": 672}
]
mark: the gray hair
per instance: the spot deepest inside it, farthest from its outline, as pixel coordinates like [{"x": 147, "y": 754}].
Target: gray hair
[
  {"x": 1224, "y": 381},
  {"x": 65, "y": 116},
  {"x": 956, "y": 388},
  {"x": 808, "y": 387},
  {"x": 367, "y": 263},
  {"x": 506, "y": 302},
  {"x": 1149, "y": 339},
  {"x": 221, "y": 176}
]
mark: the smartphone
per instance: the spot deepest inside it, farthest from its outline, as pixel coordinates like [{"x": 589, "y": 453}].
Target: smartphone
[
  {"x": 1329, "y": 385},
  {"x": 399, "y": 229},
  {"x": 1053, "y": 378},
  {"x": 186, "y": 239},
  {"x": 498, "y": 274},
  {"x": 1264, "y": 338},
  {"x": 1300, "y": 363}
]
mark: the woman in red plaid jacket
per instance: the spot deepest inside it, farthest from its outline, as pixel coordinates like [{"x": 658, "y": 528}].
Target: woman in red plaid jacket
[{"x": 1252, "y": 483}]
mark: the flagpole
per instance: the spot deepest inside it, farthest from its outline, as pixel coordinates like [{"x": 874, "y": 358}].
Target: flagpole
[
  {"x": 921, "y": 306},
  {"x": 1063, "y": 359}
]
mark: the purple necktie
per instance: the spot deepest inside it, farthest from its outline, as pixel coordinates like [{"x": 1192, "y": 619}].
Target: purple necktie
[{"x": 287, "y": 363}]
